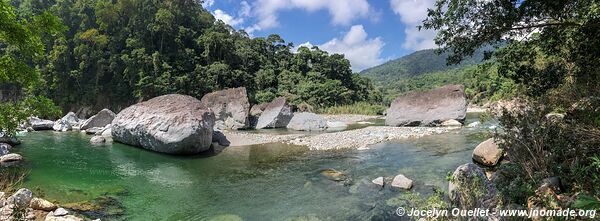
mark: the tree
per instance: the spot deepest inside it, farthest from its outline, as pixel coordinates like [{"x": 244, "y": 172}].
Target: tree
[{"x": 21, "y": 46}]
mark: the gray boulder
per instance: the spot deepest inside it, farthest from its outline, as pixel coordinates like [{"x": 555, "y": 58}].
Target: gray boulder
[
  {"x": 6, "y": 138},
  {"x": 276, "y": 114},
  {"x": 101, "y": 119},
  {"x": 40, "y": 124},
  {"x": 66, "y": 123},
  {"x": 5, "y": 149},
  {"x": 487, "y": 153},
  {"x": 173, "y": 124},
  {"x": 21, "y": 198},
  {"x": 97, "y": 140},
  {"x": 429, "y": 108},
  {"x": 307, "y": 122},
  {"x": 470, "y": 188},
  {"x": 230, "y": 107}
]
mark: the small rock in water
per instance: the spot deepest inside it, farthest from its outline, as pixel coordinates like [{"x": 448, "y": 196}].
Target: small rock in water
[
  {"x": 98, "y": 139},
  {"x": 226, "y": 217},
  {"x": 334, "y": 175},
  {"x": 400, "y": 181},
  {"x": 60, "y": 212},
  {"x": 378, "y": 181}
]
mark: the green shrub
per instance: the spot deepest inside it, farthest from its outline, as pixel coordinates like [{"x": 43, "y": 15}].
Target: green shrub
[{"x": 356, "y": 108}]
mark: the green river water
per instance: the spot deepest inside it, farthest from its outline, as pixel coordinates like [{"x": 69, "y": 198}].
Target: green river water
[{"x": 261, "y": 182}]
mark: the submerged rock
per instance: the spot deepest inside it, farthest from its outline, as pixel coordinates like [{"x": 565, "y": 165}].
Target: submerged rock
[
  {"x": 487, "y": 153},
  {"x": 307, "y": 122},
  {"x": 174, "y": 124},
  {"x": 277, "y": 114},
  {"x": 334, "y": 175},
  {"x": 230, "y": 107},
  {"x": 429, "y": 108},
  {"x": 101, "y": 119},
  {"x": 402, "y": 182},
  {"x": 5, "y": 138},
  {"x": 226, "y": 217},
  {"x": 40, "y": 124}
]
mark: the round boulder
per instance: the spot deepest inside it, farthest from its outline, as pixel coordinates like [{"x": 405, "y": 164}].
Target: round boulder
[
  {"x": 307, "y": 122},
  {"x": 173, "y": 124},
  {"x": 487, "y": 153}
]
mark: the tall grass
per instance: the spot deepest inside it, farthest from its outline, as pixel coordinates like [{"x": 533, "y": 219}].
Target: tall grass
[
  {"x": 11, "y": 178},
  {"x": 362, "y": 108}
]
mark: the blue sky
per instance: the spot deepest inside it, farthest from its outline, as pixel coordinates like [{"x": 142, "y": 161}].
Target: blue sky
[{"x": 368, "y": 32}]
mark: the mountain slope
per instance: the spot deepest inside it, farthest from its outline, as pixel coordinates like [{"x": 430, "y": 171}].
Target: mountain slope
[{"x": 415, "y": 64}]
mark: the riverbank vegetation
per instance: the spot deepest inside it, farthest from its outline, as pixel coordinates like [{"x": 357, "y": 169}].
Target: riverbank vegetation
[
  {"x": 550, "y": 49},
  {"x": 115, "y": 53}
]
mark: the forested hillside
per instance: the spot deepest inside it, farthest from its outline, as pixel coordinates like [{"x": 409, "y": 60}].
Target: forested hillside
[
  {"x": 426, "y": 69},
  {"x": 116, "y": 52},
  {"x": 417, "y": 63}
]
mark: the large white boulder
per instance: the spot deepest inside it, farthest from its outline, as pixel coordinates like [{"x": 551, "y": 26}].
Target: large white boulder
[{"x": 174, "y": 124}]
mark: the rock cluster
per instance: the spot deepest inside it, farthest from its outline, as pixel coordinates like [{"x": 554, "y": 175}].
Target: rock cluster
[{"x": 22, "y": 205}]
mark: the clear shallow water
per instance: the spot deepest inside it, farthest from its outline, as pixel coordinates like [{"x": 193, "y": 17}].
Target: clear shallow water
[{"x": 262, "y": 182}]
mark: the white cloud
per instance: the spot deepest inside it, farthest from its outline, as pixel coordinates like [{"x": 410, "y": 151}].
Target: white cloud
[
  {"x": 343, "y": 12},
  {"x": 208, "y": 3},
  {"x": 357, "y": 47},
  {"x": 412, "y": 13},
  {"x": 228, "y": 19}
]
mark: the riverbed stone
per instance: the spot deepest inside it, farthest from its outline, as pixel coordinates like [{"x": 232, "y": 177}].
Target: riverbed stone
[
  {"x": 5, "y": 149},
  {"x": 334, "y": 175},
  {"x": 306, "y": 121},
  {"x": 336, "y": 125},
  {"x": 94, "y": 130},
  {"x": 470, "y": 188},
  {"x": 12, "y": 140},
  {"x": 11, "y": 157},
  {"x": 101, "y": 119},
  {"x": 429, "y": 108},
  {"x": 378, "y": 181},
  {"x": 173, "y": 124},
  {"x": 402, "y": 182},
  {"x": 40, "y": 124},
  {"x": 230, "y": 106},
  {"x": 277, "y": 114},
  {"x": 42, "y": 204},
  {"x": 487, "y": 153}
]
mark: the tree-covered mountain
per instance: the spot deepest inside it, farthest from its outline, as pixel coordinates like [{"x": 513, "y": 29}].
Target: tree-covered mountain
[
  {"x": 426, "y": 69},
  {"x": 415, "y": 64}
]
